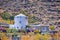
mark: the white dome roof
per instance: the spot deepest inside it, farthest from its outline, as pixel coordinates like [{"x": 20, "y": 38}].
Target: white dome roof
[{"x": 21, "y": 15}]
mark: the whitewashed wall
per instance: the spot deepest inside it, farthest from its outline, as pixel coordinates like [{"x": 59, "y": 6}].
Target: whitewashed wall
[{"x": 20, "y": 21}]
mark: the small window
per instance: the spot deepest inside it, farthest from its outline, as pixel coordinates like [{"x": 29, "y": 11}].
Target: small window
[
  {"x": 19, "y": 21},
  {"x": 17, "y": 27}
]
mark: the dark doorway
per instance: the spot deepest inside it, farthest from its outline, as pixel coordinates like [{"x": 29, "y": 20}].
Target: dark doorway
[{"x": 15, "y": 37}]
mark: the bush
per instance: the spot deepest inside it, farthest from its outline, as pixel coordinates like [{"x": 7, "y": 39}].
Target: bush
[{"x": 5, "y": 15}]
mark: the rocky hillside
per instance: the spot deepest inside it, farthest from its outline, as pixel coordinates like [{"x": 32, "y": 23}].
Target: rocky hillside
[{"x": 45, "y": 11}]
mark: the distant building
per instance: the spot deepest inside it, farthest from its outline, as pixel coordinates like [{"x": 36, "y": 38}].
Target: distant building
[
  {"x": 42, "y": 28},
  {"x": 20, "y": 21},
  {"x": 4, "y": 25}
]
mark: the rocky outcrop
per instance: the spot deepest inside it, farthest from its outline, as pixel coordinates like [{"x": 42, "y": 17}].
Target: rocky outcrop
[{"x": 46, "y": 11}]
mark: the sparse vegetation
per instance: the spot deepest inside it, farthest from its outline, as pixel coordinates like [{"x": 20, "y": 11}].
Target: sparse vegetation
[{"x": 5, "y": 15}]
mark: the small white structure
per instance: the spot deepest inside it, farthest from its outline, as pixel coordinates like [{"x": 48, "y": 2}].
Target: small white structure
[
  {"x": 11, "y": 26},
  {"x": 20, "y": 21}
]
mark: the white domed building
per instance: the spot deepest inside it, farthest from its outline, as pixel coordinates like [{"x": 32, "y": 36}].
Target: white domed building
[{"x": 20, "y": 21}]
